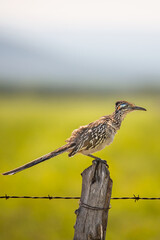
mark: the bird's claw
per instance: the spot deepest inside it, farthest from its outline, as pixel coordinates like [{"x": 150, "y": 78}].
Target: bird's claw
[{"x": 97, "y": 160}]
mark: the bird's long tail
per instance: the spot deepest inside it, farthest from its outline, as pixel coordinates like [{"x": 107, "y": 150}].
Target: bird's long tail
[{"x": 58, "y": 151}]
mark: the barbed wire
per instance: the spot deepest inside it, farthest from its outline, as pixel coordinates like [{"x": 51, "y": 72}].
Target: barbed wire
[{"x": 136, "y": 198}]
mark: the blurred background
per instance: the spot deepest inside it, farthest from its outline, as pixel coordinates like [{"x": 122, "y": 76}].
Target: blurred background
[{"x": 64, "y": 64}]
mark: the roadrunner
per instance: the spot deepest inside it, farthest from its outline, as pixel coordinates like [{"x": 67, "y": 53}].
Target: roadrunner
[{"x": 90, "y": 138}]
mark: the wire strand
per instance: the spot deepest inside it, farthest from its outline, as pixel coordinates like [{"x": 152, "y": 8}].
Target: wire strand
[{"x": 136, "y": 198}]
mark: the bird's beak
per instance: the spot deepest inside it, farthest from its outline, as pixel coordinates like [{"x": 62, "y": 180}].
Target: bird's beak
[{"x": 138, "y": 108}]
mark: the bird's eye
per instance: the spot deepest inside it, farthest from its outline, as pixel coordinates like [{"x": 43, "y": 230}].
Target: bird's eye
[{"x": 122, "y": 105}]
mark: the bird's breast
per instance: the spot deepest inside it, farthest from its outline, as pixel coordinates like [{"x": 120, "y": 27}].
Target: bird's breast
[
  {"x": 107, "y": 141},
  {"x": 110, "y": 139}
]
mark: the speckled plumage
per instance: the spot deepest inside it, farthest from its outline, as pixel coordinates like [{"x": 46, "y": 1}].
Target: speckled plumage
[
  {"x": 92, "y": 137},
  {"x": 89, "y": 138}
]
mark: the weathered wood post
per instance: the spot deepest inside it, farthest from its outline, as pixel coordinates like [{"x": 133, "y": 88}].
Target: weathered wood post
[{"x": 92, "y": 214}]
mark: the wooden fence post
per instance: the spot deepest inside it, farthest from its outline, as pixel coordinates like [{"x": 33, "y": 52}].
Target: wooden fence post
[{"x": 92, "y": 214}]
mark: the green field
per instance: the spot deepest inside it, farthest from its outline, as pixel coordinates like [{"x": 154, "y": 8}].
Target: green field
[{"x": 32, "y": 126}]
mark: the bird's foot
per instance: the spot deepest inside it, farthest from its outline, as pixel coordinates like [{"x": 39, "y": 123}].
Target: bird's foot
[
  {"x": 98, "y": 160},
  {"x": 96, "y": 176}
]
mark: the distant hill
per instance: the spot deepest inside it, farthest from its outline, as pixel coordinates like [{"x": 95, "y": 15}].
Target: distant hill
[
  {"x": 109, "y": 64},
  {"x": 19, "y": 60}
]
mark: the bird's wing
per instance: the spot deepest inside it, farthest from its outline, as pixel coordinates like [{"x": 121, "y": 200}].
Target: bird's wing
[{"x": 88, "y": 137}]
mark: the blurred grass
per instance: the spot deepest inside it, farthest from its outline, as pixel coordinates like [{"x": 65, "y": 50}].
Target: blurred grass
[{"x": 32, "y": 126}]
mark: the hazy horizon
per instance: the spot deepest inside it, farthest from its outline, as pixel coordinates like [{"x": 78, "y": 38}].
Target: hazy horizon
[{"x": 113, "y": 43}]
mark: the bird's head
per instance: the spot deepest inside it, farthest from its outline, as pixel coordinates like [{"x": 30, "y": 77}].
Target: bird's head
[{"x": 125, "y": 107}]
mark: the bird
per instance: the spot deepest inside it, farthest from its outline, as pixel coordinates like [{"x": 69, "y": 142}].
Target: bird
[{"x": 90, "y": 138}]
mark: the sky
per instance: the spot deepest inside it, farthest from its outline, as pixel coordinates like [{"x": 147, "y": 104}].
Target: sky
[
  {"x": 27, "y": 15},
  {"x": 87, "y": 40}
]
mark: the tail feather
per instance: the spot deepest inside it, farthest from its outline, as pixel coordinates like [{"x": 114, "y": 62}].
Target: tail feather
[{"x": 41, "y": 159}]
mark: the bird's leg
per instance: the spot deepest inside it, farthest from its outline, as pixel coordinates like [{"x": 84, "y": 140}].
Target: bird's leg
[{"x": 97, "y": 159}]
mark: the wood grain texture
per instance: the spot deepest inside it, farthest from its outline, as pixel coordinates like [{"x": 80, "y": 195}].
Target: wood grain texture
[{"x": 92, "y": 215}]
